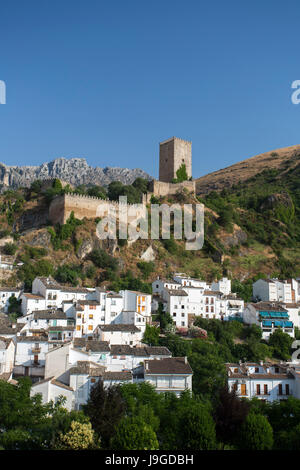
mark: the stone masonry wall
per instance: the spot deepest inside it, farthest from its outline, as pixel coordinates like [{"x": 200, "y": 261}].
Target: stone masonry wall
[
  {"x": 83, "y": 206},
  {"x": 172, "y": 154},
  {"x": 160, "y": 188}
]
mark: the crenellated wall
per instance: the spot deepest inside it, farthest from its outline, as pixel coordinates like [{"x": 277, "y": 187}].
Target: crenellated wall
[{"x": 83, "y": 206}]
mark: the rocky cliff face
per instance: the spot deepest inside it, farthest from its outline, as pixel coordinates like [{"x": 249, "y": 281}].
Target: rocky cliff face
[{"x": 73, "y": 170}]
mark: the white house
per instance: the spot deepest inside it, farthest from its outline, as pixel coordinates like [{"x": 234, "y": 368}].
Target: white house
[
  {"x": 266, "y": 381},
  {"x": 31, "y": 302},
  {"x": 51, "y": 389},
  {"x": 119, "y": 334},
  {"x": 7, "y": 355},
  {"x": 5, "y": 294},
  {"x": 139, "y": 302},
  {"x": 160, "y": 284},
  {"x": 30, "y": 356},
  {"x": 166, "y": 375},
  {"x": 177, "y": 305}
]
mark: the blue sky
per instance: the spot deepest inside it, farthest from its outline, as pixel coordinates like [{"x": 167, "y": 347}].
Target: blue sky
[{"x": 109, "y": 80}]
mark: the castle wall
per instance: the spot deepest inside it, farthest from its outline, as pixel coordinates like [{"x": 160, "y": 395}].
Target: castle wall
[
  {"x": 160, "y": 188},
  {"x": 85, "y": 206}
]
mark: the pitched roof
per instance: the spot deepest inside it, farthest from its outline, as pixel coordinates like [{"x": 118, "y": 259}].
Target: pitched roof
[
  {"x": 151, "y": 351},
  {"x": 9, "y": 289},
  {"x": 6, "y": 329},
  {"x": 177, "y": 292},
  {"x": 31, "y": 339},
  {"x": 91, "y": 345},
  {"x": 79, "y": 290},
  {"x": 61, "y": 328},
  {"x": 33, "y": 296},
  {"x": 119, "y": 327},
  {"x": 170, "y": 365},
  {"x": 268, "y": 306},
  {"x": 87, "y": 368},
  {"x": 61, "y": 385},
  {"x": 57, "y": 314},
  {"x": 88, "y": 302},
  {"x": 121, "y": 349},
  {"x": 122, "y": 375}
]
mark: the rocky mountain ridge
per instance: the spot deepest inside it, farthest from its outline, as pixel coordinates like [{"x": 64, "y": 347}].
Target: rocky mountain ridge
[{"x": 75, "y": 171}]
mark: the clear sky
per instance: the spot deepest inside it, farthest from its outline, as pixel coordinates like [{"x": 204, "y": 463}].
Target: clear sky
[{"x": 108, "y": 80}]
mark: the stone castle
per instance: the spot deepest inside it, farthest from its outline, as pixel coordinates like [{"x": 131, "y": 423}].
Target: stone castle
[{"x": 173, "y": 153}]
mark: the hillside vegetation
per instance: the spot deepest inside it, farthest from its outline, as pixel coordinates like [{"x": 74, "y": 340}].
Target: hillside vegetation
[{"x": 252, "y": 230}]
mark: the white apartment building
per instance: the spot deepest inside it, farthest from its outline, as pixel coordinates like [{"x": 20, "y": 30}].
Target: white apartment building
[
  {"x": 269, "y": 316},
  {"x": 275, "y": 290},
  {"x": 265, "y": 381},
  {"x": 223, "y": 285},
  {"x": 193, "y": 297}
]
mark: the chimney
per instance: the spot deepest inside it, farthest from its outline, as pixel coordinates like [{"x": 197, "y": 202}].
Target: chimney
[{"x": 185, "y": 359}]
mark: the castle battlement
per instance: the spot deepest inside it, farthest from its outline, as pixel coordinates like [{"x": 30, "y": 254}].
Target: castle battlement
[{"x": 82, "y": 206}]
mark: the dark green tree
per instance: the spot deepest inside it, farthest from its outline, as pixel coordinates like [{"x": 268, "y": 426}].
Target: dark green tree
[
  {"x": 105, "y": 408},
  {"x": 134, "y": 434},
  {"x": 256, "y": 433}
]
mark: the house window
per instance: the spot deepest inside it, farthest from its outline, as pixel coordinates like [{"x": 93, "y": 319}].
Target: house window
[
  {"x": 91, "y": 316},
  {"x": 236, "y": 371},
  {"x": 256, "y": 369},
  {"x": 265, "y": 389},
  {"x": 174, "y": 314},
  {"x": 280, "y": 389},
  {"x": 93, "y": 381},
  {"x": 257, "y": 389},
  {"x": 287, "y": 389},
  {"x": 78, "y": 328},
  {"x": 90, "y": 327}
]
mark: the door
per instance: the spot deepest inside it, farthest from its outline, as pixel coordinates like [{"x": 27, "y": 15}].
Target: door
[{"x": 243, "y": 389}]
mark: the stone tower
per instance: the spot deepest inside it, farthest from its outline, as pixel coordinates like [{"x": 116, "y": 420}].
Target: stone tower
[{"x": 172, "y": 154}]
